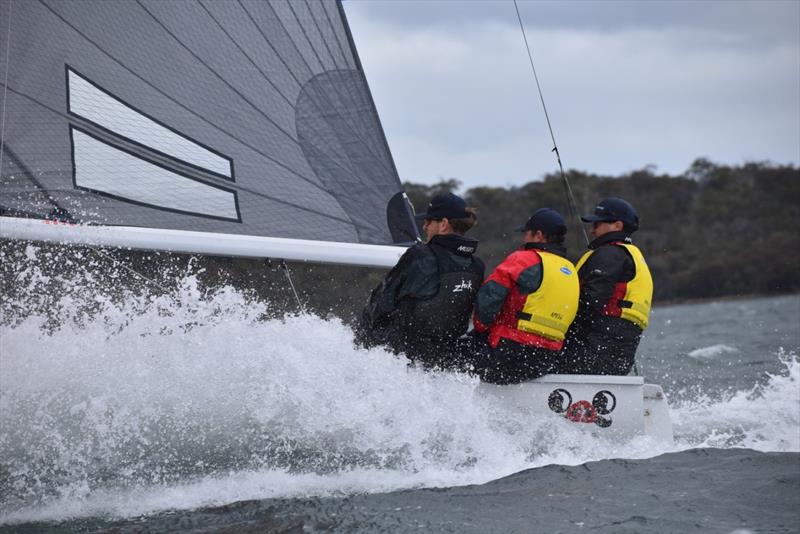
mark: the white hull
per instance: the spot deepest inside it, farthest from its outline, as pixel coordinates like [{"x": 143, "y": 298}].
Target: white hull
[{"x": 618, "y": 407}]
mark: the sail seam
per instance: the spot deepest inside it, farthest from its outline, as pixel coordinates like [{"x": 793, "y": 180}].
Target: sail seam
[
  {"x": 312, "y": 75},
  {"x": 350, "y": 94},
  {"x": 238, "y": 186},
  {"x": 336, "y": 89},
  {"x": 274, "y": 50},
  {"x": 374, "y": 109},
  {"x": 311, "y": 72},
  {"x": 5, "y": 88},
  {"x": 215, "y": 73},
  {"x": 341, "y": 49},
  {"x": 337, "y": 163},
  {"x": 243, "y": 97},
  {"x": 182, "y": 106},
  {"x": 245, "y": 54},
  {"x": 321, "y": 5}
]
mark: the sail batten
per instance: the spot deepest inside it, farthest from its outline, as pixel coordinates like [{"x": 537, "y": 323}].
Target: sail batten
[{"x": 230, "y": 118}]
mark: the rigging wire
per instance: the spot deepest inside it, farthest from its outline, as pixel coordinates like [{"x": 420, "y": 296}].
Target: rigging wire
[
  {"x": 134, "y": 272},
  {"x": 570, "y": 197},
  {"x": 282, "y": 265}
]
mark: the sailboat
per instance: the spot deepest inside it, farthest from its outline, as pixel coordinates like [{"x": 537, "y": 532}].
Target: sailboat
[{"x": 241, "y": 128}]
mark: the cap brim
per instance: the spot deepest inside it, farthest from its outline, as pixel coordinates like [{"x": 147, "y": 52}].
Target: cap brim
[
  {"x": 520, "y": 228},
  {"x": 596, "y": 218},
  {"x": 421, "y": 216}
]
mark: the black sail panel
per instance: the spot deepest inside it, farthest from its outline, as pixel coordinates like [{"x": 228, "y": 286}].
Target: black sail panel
[{"x": 238, "y": 117}]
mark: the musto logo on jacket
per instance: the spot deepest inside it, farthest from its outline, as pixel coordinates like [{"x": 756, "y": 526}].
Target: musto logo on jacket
[{"x": 550, "y": 310}]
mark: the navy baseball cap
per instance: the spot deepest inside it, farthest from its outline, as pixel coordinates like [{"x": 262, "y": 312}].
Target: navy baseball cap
[
  {"x": 445, "y": 206},
  {"x": 613, "y": 209},
  {"x": 548, "y": 220}
]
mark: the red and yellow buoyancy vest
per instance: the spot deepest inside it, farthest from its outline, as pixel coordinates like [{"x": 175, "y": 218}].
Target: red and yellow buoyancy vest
[
  {"x": 550, "y": 310},
  {"x": 543, "y": 317},
  {"x": 631, "y": 300}
]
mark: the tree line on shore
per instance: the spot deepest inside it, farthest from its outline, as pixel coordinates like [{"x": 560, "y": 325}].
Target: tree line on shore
[{"x": 715, "y": 231}]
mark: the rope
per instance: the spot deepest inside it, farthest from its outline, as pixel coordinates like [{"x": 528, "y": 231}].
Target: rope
[
  {"x": 568, "y": 190},
  {"x": 285, "y": 268},
  {"x": 133, "y": 271}
]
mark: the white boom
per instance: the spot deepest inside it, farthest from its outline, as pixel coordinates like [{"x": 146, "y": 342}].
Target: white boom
[{"x": 201, "y": 242}]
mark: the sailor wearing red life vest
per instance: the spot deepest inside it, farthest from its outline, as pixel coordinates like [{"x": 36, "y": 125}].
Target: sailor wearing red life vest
[
  {"x": 524, "y": 308},
  {"x": 616, "y": 295}
]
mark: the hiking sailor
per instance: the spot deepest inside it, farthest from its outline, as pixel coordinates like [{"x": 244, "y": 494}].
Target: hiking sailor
[
  {"x": 525, "y": 307},
  {"x": 423, "y": 304},
  {"x": 616, "y": 294}
]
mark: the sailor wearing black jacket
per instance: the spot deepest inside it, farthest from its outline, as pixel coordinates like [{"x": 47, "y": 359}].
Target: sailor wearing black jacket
[
  {"x": 423, "y": 304},
  {"x": 615, "y": 297}
]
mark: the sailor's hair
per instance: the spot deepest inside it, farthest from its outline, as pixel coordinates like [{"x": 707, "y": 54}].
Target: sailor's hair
[{"x": 462, "y": 225}]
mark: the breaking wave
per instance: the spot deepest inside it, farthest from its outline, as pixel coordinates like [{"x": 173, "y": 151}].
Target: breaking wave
[
  {"x": 144, "y": 403},
  {"x": 712, "y": 352}
]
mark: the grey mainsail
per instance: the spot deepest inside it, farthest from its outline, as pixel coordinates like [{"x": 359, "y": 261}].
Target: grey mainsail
[{"x": 246, "y": 118}]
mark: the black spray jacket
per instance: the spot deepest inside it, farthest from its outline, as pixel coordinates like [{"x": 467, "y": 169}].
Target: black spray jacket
[
  {"x": 426, "y": 299},
  {"x": 597, "y": 343}
]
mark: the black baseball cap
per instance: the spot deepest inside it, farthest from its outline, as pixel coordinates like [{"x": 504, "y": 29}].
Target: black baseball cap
[
  {"x": 614, "y": 209},
  {"x": 445, "y": 206},
  {"x": 548, "y": 220}
]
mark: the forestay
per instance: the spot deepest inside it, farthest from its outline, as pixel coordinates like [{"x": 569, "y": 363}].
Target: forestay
[{"x": 242, "y": 120}]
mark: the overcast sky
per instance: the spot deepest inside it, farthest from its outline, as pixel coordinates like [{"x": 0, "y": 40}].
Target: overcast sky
[{"x": 627, "y": 84}]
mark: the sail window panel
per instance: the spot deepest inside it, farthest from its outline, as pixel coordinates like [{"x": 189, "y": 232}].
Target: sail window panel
[
  {"x": 106, "y": 169},
  {"x": 93, "y": 104}
]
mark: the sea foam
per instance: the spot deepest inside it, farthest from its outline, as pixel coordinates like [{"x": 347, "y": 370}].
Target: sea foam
[
  {"x": 713, "y": 351},
  {"x": 144, "y": 403}
]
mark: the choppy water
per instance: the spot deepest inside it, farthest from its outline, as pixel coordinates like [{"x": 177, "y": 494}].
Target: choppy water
[{"x": 148, "y": 405}]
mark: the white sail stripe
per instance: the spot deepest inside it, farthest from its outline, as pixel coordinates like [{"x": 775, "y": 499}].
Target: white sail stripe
[
  {"x": 101, "y": 108},
  {"x": 106, "y": 169}
]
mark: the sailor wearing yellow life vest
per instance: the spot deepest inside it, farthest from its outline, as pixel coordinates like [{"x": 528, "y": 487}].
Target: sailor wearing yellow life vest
[
  {"x": 616, "y": 295},
  {"x": 524, "y": 308}
]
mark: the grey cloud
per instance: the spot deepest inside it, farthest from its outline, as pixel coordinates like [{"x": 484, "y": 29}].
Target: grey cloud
[
  {"x": 757, "y": 22},
  {"x": 459, "y": 99}
]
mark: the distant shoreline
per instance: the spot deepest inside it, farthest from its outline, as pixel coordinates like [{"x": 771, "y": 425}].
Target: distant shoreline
[{"x": 703, "y": 300}]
